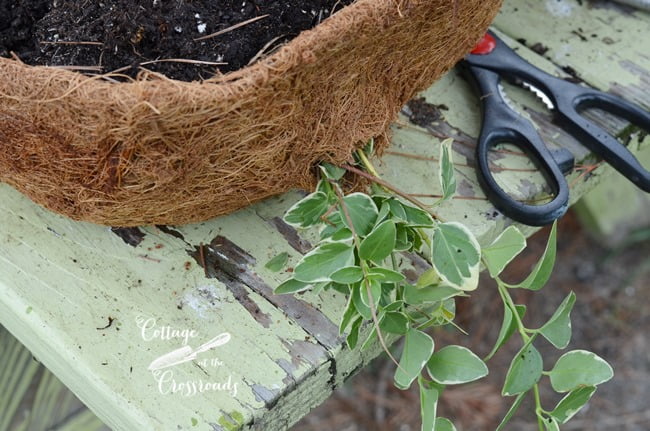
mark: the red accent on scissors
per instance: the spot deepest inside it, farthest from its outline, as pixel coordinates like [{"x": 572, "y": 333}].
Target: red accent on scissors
[{"x": 485, "y": 46}]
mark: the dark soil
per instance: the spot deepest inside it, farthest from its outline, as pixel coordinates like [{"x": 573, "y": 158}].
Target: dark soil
[{"x": 104, "y": 36}]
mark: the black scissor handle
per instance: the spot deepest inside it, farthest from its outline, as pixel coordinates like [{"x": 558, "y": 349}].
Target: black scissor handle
[
  {"x": 572, "y": 100},
  {"x": 503, "y": 125},
  {"x": 569, "y": 100}
]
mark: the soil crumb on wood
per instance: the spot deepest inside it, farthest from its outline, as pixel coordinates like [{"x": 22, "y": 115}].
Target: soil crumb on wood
[{"x": 160, "y": 35}]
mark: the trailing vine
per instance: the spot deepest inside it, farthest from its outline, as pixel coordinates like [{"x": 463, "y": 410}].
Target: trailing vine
[{"x": 361, "y": 238}]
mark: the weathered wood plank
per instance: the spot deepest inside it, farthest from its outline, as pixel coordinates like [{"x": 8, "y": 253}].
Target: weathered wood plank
[{"x": 72, "y": 292}]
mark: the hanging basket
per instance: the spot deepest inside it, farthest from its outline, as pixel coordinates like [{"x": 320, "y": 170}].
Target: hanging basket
[{"x": 160, "y": 151}]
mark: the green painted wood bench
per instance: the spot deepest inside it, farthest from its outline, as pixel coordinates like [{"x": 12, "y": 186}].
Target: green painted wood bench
[{"x": 97, "y": 305}]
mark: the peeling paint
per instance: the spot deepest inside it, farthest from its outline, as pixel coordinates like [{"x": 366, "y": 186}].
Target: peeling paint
[
  {"x": 234, "y": 267},
  {"x": 204, "y": 298},
  {"x": 299, "y": 244},
  {"x": 133, "y": 236},
  {"x": 559, "y": 8}
]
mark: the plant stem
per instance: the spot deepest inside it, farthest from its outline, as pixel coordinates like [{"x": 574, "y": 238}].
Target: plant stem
[
  {"x": 508, "y": 302},
  {"x": 538, "y": 407},
  {"x": 392, "y": 189},
  {"x": 365, "y": 281}
]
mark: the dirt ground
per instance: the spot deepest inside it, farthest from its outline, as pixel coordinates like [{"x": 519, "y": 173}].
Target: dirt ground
[{"x": 610, "y": 318}]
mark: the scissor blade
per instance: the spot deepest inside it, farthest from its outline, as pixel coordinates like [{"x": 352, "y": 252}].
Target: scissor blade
[
  {"x": 540, "y": 94},
  {"x": 506, "y": 99}
]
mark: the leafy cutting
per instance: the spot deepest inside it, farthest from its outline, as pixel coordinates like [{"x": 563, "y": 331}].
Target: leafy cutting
[{"x": 361, "y": 239}]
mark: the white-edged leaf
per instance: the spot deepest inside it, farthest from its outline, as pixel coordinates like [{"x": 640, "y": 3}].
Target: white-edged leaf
[
  {"x": 348, "y": 315},
  {"x": 320, "y": 263},
  {"x": 511, "y": 411},
  {"x": 508, "y": 327},
  {"x": 385, "y": 275},
  {"x": 414, "y": 296},
  {"x": 572, "y": 403},
  {"x": 558, "y": 329},
  {"x": 292, "y": 286},
  {"x": 348, "y": 275},
  {"x": 394, "y": 322},
  {"x": 444, "y": 424},
  {"x": 456, "y": 254},
  {"x": 503, "y": 250},
  {"x": 454, "y": 365},
  {"x": 379, "y": 244},
  {"x": 550, "y": 424},
  {"x": 416, "y": 217},
  {"x": 579, "y": 368},
  {"x": 446, "y": 170},
  {"x": 525, "y": 370},
  {"x": 307, "y": 211},
  {"x": 428, "y": 405},
  {"x": 375, "y": 292},
  {"x": 544, "y": 267},
  {"x": 362, "y": 211},
  {"x": 353, "y": 335},
  {"x": 428, "y": 278},
  {"x": 360, "y": 306},
  {"x": 332, "y": 172},
  {"x": 418, "y": 348}
]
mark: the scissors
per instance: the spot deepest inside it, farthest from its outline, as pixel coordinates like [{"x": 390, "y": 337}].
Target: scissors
[{"x": 493, "y": 60}]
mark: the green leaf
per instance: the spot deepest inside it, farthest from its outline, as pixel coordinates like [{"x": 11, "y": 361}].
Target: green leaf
[
  {"x": 361, "y": 306},
  {"x": 348, "y": 275},
  {"x": 418, "y": 347},
  {"x": 278, "y": 262},
  {"x": 416, "y": 217},
  {"x": 525, "y": 370},
  {"x": 292, "y": 286},
  {"x": 384, "y": 211},
  {"x": 428, "y": 405},
  {"x": 508, "y": 327},
  {"x": 396, "y": 208},
  {"x": 503, "y": 250},
  {"x": 455, "y": 254},
  {"x": 394, "y": 322},
  {"x": 550, "y": 424},
  {"x": 375, "y": 291},
  {"x": 542, "y": 271},
  {"x": 428, "y": 278},
  {"x": 558, "y": 329},
  {"x": 334, "y": 224},
  {"x": 362, "y": 211},
  {"x": 319, "y": 264},
  {"x": 353, "y": 335},
  {"x": 332, "y": 172},
  {"x": 402, "y": 242},
  {"x": 341, "y": 235},
  {"x": 579, "y": 368},
  {"x": 444, "y": 424},
  {"x": 454, "y": 365},
  {"x": 326, "y": 187},
  {"x": 572, "y": 403},
  {"x": 369, "y": 341},
  {"x": 446, "y": 170},
  {"x": 385, "y": 275},
  {"x": 415, "y": 296},
  {"x": 307, "y": 211},
  {"x": 394, "y": 306},
  {"x": 511, "y": 411},
  {"x": 348, "y": 315},
  {"x": 379, "y": 244}
]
